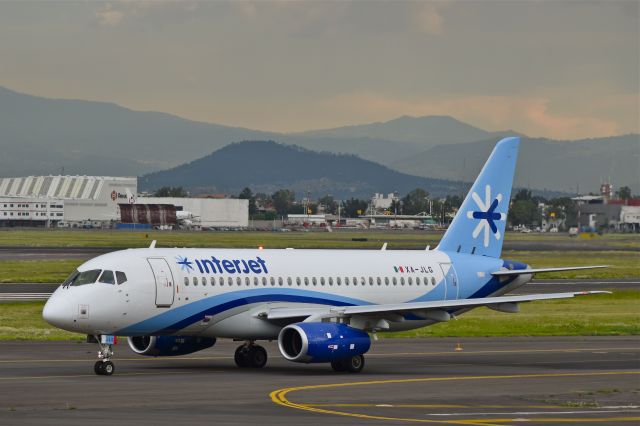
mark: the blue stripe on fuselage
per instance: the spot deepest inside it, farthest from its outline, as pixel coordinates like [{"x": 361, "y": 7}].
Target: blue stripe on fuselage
[{"x": 174, "y": 320}]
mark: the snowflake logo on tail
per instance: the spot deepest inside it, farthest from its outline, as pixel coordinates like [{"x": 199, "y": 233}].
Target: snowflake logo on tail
[{"x": 487, "y": 215}]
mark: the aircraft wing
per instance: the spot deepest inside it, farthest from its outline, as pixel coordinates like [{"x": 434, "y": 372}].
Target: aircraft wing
[
  {"x": 507, "y": 272},
  {"x": 413, "y": 307}
]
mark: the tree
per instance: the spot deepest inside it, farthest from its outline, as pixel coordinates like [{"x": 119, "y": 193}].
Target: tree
[
  {"x": 170, "y": 191},
  {"x": 416, "y": 201},
  {"x": 523, "y": 212},
  {"x": 354, "y": 207},
  {"x": 624, "y": 193},
  {"x": 330, "y": 205},
  {"x": 246, "y": 194},
  {"x": 283, "y": 200}
]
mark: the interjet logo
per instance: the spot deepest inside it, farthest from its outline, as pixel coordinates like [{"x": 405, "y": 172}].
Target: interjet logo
[{"x": 487, "y": 215}]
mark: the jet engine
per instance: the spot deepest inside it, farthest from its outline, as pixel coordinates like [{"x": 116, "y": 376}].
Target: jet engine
[
  {"x": 321, "y": 342},
  {"x": 169, "y": 345}
]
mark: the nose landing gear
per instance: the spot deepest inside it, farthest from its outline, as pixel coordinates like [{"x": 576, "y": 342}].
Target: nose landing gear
[
  {"x": 104, "y": 366},
  {"x": 250, "y": 355}
]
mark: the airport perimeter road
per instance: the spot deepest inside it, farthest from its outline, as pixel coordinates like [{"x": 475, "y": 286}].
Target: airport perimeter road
[{"x": 490, "y": 381}]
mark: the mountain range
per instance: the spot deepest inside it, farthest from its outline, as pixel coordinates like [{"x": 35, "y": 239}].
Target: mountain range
[{"x": 52, "y": 136}]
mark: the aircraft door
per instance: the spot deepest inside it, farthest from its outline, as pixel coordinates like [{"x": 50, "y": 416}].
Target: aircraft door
[
  {"x": 451, "y": 280},
  {"x": 164, "y": 281}
]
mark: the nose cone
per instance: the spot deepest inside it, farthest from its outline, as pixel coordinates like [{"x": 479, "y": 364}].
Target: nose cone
[{"x": 57, "y": 312}]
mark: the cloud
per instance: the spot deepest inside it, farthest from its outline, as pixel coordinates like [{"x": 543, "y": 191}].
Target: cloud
[
  {"x": 112, "y": 14},
  {"x": 429, "y": 18},
  {"x": 108, "y": 16}
]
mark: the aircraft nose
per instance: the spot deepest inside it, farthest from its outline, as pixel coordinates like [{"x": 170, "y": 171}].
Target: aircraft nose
[{"x": 58, "y": 312}]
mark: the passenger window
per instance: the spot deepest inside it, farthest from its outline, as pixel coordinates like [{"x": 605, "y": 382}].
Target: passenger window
[
  {"x": 230, "y": 281},
  {"x": 221, "y": 281},
  {"x": 338, "y": 281},
  {"x": 395, "y": 281},
  {"x": 280, "y": 281},
  {"x": 321, "y": 280},
  {"x": 330, "y": 280},
  {"x": 433, "y": 280},
  {"x": 122, "y": 278},
  {"x": 379, "y": 281},
  {"x": 370, "y": 280},
  {"x": 213, "y": 281},
  {"x": 410, "y": 281},
  {"x": 355, "y": 281},
  {"x": 247, "y": 281},
  {"x": 386, "y": 280},
  {"x": 239, "y": 281},
  {"x": 195, "y": 281},
  {"x": 313, "y": 280},
  {"x": 272, "y": 281},
  {"x": 363, "y": 281},
  {"x": 107, "y": 277},
  {"x": 264, "y": 281},
  {"x": 346, "y": 280},
  {"x": 306, "y": 280},
  {"x": 204, "y": 281},
  {"x": 402, "y": 280},
  {"x": 289, "y": 281},
  {"x": 298, "y": 281},
  {"x": 186, "y": 281},
  {"x": 255, "y": 281}
]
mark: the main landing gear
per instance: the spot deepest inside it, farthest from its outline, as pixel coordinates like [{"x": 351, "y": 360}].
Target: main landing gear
[
  {"x": 104, "y": 366},
  {"x": 353, "y": 364},
  {"x": 250, "y": 355}
]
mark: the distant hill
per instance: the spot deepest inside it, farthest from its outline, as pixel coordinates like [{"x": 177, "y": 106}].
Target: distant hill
[
  {"x": 88, "y": 137},
  {"x": 542, "y": 163},
  {"x": 421, "y": 131},
  {"x": 269, "y": 166}
]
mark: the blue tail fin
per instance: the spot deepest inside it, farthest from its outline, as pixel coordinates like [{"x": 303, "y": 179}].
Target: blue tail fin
[{"x": 478, "y": 227}]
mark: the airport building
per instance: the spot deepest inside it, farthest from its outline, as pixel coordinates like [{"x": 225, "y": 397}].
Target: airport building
[
  {"x": 205, "y": 213},
  {"x": 64, "y": 201},
  {"x": 100, "y": 201}
]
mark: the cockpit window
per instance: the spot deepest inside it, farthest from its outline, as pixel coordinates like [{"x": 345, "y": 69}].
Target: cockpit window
[
  {"x": 107, "y": 277},
  {"x": 121, "y": 277},
  {"x": 82, "y": 278}
]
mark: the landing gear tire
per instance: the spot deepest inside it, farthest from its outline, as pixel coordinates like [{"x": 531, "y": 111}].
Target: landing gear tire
[
  {"x": 104, "y": 368},
  {"x": 253, "y": 356},
  {"x": 108, "y": 368},
  {"x": 240, "y": 357},
  {"x": 353, "y": 364},
  {"x": 257, "y": 356}
]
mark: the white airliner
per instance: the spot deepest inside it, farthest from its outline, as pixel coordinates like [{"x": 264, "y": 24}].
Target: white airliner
[{"x": 320, "y": 305}]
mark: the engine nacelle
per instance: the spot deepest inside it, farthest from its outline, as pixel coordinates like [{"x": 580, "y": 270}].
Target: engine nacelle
[
  {"x": 169, "y": 345},
  {"x": 321, "y": 342}
]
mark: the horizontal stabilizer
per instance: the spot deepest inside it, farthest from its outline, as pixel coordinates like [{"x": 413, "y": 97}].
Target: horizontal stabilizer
[{"x": 539, "y": 270}]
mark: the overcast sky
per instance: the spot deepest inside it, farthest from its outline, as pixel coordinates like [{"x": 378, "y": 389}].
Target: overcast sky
[{"x": 546, "y": 68}]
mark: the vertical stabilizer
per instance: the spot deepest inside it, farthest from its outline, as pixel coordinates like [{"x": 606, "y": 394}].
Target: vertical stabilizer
[{"x": 478, "y": 227}]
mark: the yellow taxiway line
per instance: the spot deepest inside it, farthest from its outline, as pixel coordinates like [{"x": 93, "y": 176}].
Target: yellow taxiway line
[{"x": 280, "y": 397}]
